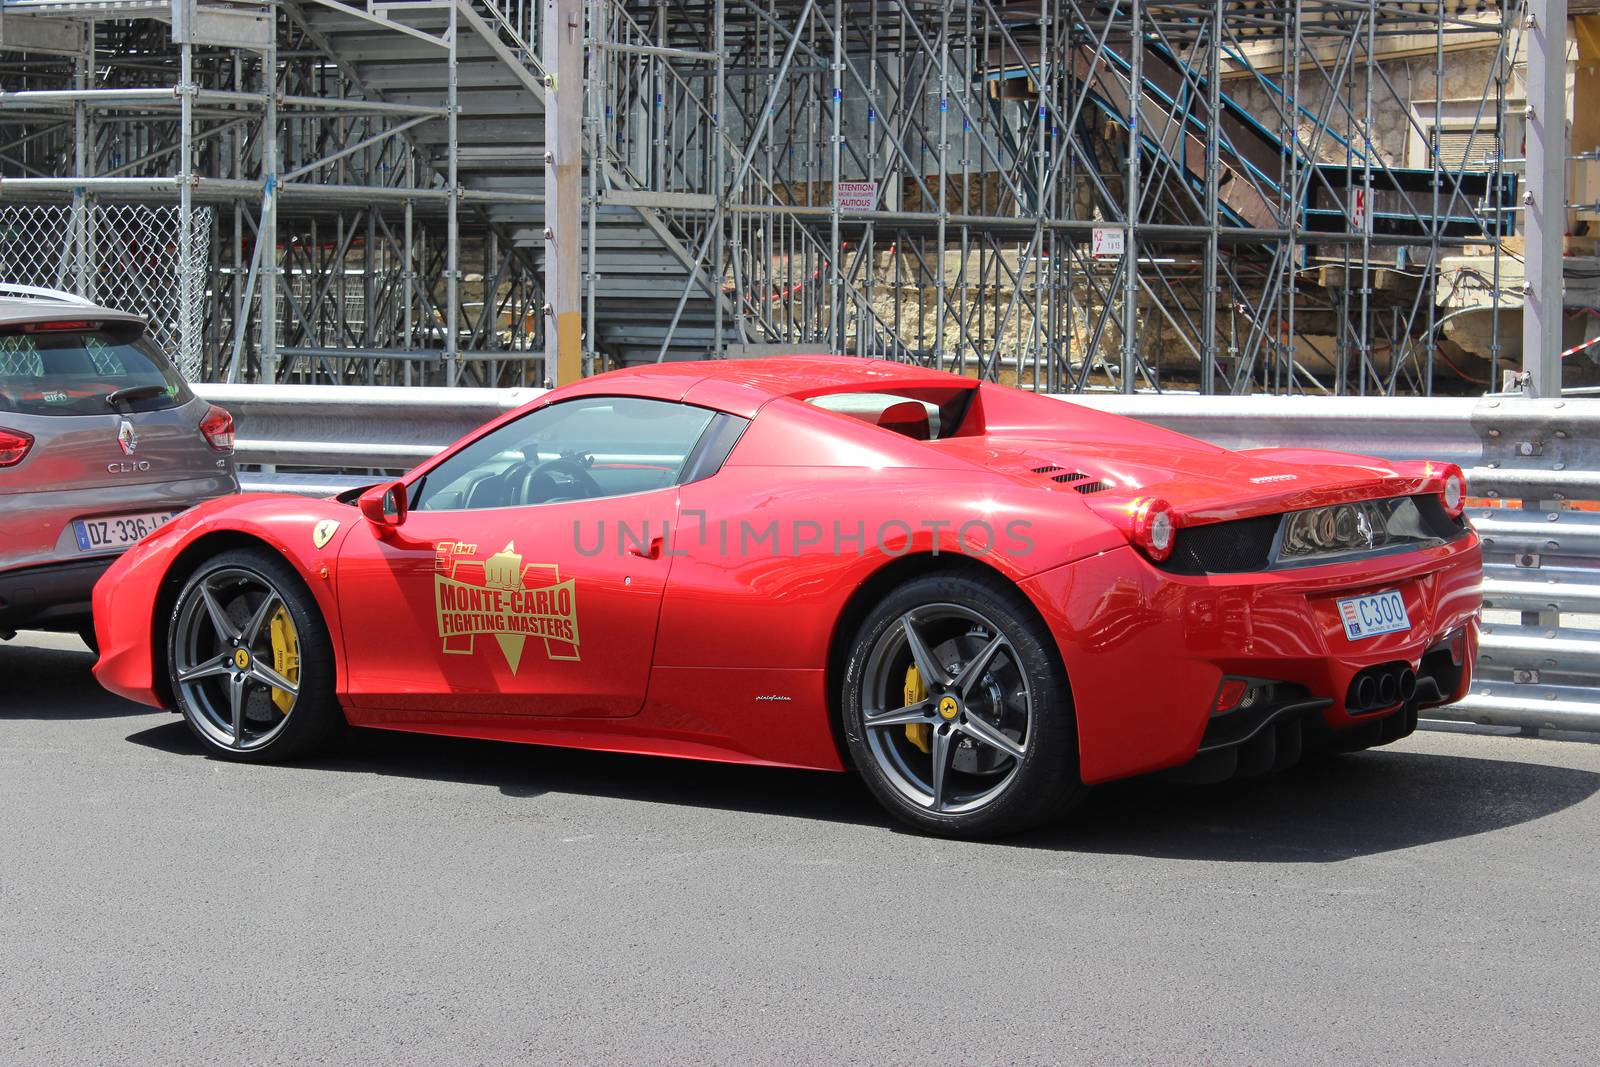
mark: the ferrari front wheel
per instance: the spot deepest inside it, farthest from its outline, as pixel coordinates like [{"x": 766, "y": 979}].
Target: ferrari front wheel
[
  {"x": 956, "y": 709},
  {"x": 249, "y": 660}
]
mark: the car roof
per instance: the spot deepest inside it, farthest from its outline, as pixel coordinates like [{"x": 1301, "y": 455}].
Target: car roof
[
  {"x": 741, "y": 386},
  {"x": 20, "y": 304}
]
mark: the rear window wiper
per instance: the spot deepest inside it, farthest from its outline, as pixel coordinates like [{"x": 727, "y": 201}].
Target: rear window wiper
[{"x": 129, "y": 394}]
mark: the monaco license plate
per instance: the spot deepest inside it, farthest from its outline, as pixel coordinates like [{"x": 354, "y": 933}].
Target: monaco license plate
[
  {"x": 117, "y": 531},
  {"x": 1369, "y": 616}
]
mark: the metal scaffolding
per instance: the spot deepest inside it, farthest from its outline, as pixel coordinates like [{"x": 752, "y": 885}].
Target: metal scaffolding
[{"x": 1064, "y": 194}]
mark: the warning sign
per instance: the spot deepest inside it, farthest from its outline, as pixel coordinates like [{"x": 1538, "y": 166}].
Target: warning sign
[
  {"x": 856, "y": 196},
  {"x": 1107, "y": 242},
  {"x": 1360, "y": 217}
]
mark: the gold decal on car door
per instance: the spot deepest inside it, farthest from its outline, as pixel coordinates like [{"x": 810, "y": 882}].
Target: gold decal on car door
[{"x": 502, "y": 597}]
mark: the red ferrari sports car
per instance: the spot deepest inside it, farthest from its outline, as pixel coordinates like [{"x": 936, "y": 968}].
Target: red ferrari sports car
[{"x": 981, "y": 599}]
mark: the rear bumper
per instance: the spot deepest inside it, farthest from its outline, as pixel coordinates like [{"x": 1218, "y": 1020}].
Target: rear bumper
[
  {"x": 55, "y": 596},
  {"x": 1146, "y": 651},
  {"x": 36, "y": 524}
]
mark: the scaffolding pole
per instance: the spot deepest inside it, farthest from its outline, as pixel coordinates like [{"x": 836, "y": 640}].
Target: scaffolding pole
[
  {"x": 563, "y": 169},
  {"x": 1546, "y": 199}
]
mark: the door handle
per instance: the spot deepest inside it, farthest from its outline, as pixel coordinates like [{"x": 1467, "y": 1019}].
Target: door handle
[{"x": 652, "y": 552}]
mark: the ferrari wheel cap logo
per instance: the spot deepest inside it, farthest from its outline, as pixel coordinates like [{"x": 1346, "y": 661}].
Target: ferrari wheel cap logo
[
  {"x": 241, "y": 659},
  {"x": 323, "y": 532},
  {"x": 949, "y": 707},
  {"x": 127, "y": 438}
]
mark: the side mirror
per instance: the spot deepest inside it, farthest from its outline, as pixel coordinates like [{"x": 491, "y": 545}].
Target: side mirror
[{"x": 385, "y": 505}]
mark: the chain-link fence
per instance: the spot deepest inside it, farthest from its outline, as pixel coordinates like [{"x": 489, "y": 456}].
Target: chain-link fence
[{"x": 124, "y": 256}]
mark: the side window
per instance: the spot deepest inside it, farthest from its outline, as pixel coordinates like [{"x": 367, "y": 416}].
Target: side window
[{"x": 577, "y": 450}]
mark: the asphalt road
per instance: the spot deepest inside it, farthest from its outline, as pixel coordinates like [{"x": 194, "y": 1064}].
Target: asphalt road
[{"x": 417, "y": 900}]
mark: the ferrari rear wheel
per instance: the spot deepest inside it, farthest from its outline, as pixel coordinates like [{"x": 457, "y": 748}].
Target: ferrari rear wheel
[
  {"x": 956, "y": 709},
  {"x": 249, "y": 659}
]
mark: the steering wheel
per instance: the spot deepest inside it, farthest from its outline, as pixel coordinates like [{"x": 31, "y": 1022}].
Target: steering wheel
[{"x": 556, "y": 479}]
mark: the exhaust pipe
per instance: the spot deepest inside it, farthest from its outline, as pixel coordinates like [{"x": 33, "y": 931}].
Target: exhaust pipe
[
  {"x": 1408, "y": 684},
  {"x": 1366, "y": 691},
  {"x": 1388, "y": 690}
]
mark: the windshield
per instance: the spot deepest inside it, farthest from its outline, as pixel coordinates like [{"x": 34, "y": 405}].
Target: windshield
[{"x": 47, "y": 370}]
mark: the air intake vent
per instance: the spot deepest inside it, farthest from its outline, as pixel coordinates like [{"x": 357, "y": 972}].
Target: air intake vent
[{"x": 1077, "y": 479}]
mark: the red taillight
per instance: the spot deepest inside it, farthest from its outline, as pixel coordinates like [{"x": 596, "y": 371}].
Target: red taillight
[
  {"x": 1230, "y": 694},
  {"x": 59, "y": 325},
  {"x": 217, "y": 429},
  {"x": 14, "y": 445},
  {"x": 1453, "y": 491},
  {"x": 1155, "y": 528}
]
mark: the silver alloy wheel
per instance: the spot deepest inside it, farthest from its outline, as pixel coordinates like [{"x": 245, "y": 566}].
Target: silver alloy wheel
[
  {"x": 222, "y": 633},
  {"x": 976, "y": 716}
]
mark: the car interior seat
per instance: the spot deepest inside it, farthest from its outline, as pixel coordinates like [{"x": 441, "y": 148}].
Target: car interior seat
[{"x": 908, "y": 418}]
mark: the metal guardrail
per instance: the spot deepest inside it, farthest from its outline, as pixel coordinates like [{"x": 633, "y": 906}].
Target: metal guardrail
[
  {"x": 1539, "y": 663},
  {"x": 327, "y": 432}
]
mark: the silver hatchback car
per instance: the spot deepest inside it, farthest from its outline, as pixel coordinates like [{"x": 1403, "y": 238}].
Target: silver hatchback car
[{"x": 101, "y": 442}]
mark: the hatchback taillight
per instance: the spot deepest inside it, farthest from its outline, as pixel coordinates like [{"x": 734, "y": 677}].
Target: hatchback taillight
[
  {"x": 217, "y": 429},
  {"x": 14, "y": 445}
]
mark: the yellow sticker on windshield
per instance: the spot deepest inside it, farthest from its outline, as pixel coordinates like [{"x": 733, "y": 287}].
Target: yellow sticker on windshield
[{"x": 503, "y": 598}]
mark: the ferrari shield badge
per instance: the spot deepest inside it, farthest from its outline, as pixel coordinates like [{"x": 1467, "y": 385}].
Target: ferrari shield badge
[
  {"x": 499, "y": 596},
  {"x": 323, "y": 532}
]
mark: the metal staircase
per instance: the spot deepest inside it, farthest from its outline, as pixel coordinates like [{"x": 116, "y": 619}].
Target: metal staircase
[
  {"x": 644, "y": 300},
  {"x": 398, "y": 53}
]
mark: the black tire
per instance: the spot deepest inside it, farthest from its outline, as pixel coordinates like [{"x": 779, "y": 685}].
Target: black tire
[
  {"x": 1004, "y": 792},
  {"x": 86, "y": 635},
  {"x": 241, "y": 583}
]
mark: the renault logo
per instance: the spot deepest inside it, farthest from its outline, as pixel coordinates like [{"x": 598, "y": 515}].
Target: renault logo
[{"x": 127, "y": 438}]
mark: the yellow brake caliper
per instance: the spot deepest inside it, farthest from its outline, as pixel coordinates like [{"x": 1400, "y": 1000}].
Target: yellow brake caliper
[
  {"x": 919, "y": 733},
  {"x": 285, "y": 657}
]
